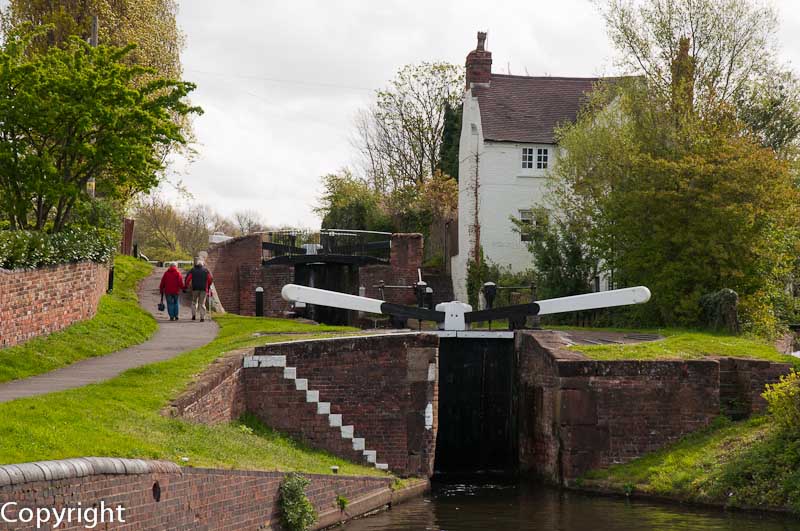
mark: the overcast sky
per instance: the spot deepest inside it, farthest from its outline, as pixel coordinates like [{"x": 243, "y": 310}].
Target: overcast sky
[{"x": 281, "y": 81}]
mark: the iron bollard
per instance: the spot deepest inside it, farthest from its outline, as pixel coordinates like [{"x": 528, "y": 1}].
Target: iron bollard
[
  {"x": 259, "y": 302},
  {"x": 110, "y": 280}
]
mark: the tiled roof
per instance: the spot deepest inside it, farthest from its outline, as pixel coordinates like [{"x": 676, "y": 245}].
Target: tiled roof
[{"x": 528, "y": 109}]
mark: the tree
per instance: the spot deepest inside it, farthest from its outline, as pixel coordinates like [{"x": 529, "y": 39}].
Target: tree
[
  {"x": 248, "y": 222},
  {"x": 74, "y": 114},
  {"x": 350, "y": 203},
  {"x": 400, "y": 137},
  {"x": 686, "y": 205},
  {"x": 732, "y": 43},
  {"x": 150, "y": 24},
  {"x": 451, "y": 139}
]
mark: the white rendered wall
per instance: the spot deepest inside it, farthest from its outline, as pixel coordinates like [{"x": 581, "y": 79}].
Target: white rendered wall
[{"x": 504, "y": 188}]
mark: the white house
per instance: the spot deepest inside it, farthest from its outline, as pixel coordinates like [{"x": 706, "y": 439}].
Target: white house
[{"x": 506, "y": 150}]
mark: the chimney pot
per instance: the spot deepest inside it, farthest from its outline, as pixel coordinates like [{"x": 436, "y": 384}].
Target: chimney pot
[{"x": 479, "y": 63}]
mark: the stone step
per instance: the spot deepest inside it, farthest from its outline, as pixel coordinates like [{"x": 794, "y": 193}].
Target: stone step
[
  {"x": 323, "y": 408},
  {"x": 358, "y": 444},
  {"x": 381, "y": 466},
  {"x": 371, "y": 455},
  {"x": 312, "y": 396},
  {"x": 347, "y": 432},
  {"x": 301, "y": 384},
  {"x": 335, "y": 420},
  {"x": 290, "y": 373}
]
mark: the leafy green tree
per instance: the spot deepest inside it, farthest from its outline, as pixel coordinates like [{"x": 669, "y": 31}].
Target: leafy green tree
[
  {"x": 563, "y": 260},
  {"x": 350, "y": 203},
  {"x": 451, "y": 138},
  {"x": 76, "y": 113}
]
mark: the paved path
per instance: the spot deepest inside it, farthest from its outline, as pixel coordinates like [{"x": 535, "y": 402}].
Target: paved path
[{"x": 171, "y": 338}]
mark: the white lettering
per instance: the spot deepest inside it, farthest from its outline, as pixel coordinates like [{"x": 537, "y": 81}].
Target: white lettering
[
  {"x": 25, "y": 515},
  {"x": 59, "y": 514},
  {"x": 42, "y": 516},
  {"x": 3, "y": 512}
]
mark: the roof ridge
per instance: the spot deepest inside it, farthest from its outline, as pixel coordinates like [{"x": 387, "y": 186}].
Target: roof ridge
[{"x": 552, "y": 77}]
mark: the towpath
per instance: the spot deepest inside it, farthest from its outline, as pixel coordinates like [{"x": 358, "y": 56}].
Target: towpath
[{"x": 171, "y": 339}]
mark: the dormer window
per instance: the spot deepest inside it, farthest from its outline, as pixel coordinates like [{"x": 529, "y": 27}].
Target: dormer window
[{"x": 535, "y": 158}]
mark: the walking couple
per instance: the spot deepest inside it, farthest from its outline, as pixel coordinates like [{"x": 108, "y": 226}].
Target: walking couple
[{"x": 199, "y": 279}]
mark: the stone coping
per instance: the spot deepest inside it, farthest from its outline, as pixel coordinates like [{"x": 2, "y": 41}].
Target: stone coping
[
  {"x": 17, "y": 474},
  {"x": 366, "y": 335}
]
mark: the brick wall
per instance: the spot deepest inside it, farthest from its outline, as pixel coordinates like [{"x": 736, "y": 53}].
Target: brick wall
[
  {"x": 35, "y": 302},
  {"x": 273, "y": 278},
  {"x": 188, "y": 498},
  {"x": 741, "y": 383},
  {"x": 404, "y": 260},
  {"x": 217, "y": 395},
  {"x": 577, "y": 414},
  {"x": 379, "y": 384},
  {"x": 224, "y": 261}
]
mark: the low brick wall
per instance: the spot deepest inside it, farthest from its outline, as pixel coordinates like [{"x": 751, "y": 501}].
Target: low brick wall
[
  {"x": 159, "y": 495},
  {"x": 35, "y": 302},
  {"x": 379, "y": 384},
  {"x": 218, "y": 394},
  {"x": 577, "y": 414}
]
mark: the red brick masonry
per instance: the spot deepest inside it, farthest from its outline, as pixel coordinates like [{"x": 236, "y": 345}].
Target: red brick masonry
[
  {"x": 159, "y": 495},
  {"x": 35, "y": 302},
  {"x": 577, "y": 414},
  {"x": 379, "y": 384}
]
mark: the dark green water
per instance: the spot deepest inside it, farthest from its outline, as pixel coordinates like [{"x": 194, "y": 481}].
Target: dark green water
[{"x": 488, "y": 507}]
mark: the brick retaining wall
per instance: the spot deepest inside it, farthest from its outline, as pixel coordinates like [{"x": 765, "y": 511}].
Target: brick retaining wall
[
  {"x": 159, "y": 495},
  {"x": 35, "y": 302},
  {"x": 224, "y": 261},
  {"x": 577, "y": 414}
]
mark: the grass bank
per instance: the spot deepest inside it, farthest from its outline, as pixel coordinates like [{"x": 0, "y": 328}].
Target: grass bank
[
  {"x": 118, "y": 324},
  {"x": 748, "y": 464},
  {"x": 120, "y": 417},
  {"x": 687, "y": 344}
]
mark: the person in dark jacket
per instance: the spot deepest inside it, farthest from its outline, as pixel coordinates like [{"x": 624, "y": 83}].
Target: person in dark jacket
[
  {"x": 171, "y": 286},
  {"x": 199, "y": 279}
]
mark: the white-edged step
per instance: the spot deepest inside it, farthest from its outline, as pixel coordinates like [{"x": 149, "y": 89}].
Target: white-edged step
[{"x": 323, "y": 408}]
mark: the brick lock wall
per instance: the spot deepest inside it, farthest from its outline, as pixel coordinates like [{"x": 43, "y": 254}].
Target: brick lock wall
[
  {"x": 404, "y": 260},
  {"x": 378, "y": 383},
  {"x": 35, "y": 302},
  {"x": 273, "y": 278},
  {"x": 577, "y": 414},
  {"x": 224, "y": 261},
  {"x": 190, "y": 498}
]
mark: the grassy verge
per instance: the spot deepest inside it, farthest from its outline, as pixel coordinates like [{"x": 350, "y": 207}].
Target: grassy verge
[
  {"x": 687, "y": 344},
  {"x": 121, "y": 418},
  {"x": 748, "y": 464},
  {"x": 118, "y": 324}
]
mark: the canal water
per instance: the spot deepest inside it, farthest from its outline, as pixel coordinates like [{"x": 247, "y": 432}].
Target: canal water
[{"x": 502, "y": 507}]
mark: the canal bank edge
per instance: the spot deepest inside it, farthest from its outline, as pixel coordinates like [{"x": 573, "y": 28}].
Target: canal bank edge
[{"x": 158, "y": 494}]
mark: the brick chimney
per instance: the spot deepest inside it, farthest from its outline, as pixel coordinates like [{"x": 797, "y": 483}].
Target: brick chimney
[{"x": 479, "y": 63}]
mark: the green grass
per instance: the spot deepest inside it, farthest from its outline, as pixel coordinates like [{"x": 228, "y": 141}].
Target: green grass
[
  {"x": 118, "y": 324},
  {"x": 121, "y": 417},
  {"x": 687, "y": 344},
  {"x": 750, "y": 464}
]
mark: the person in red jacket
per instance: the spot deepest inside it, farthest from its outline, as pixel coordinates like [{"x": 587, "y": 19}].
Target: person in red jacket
[
  {"x": 199, "y": 279},
  {"x": 171, "y": 286}
]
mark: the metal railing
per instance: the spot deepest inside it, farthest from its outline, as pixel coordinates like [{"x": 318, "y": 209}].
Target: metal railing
[{"x": 327, "y": 242}]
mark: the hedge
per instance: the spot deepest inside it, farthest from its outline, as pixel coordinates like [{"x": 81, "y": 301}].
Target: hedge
[{"x": 20, "y": 249}]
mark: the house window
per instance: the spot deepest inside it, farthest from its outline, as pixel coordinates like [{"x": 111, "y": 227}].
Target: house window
[
  {"x": 526, "y": 217},
  {"x": 541, "y": 158},
  {"x": 527, "y": 158}
]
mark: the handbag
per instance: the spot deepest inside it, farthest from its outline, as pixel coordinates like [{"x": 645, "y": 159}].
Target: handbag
[{"x": 161, "y": 304}]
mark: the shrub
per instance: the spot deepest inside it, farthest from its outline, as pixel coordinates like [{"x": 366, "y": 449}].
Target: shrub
[
  {"x": 31, "y": 249},
  {"x": 298, "y": 513},
  {"x": 719, "y": 310},
  {"x": 784, "y": 401}
]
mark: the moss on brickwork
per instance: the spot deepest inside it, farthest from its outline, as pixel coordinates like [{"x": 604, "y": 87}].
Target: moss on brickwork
[{"x": 118, "y": 324}]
